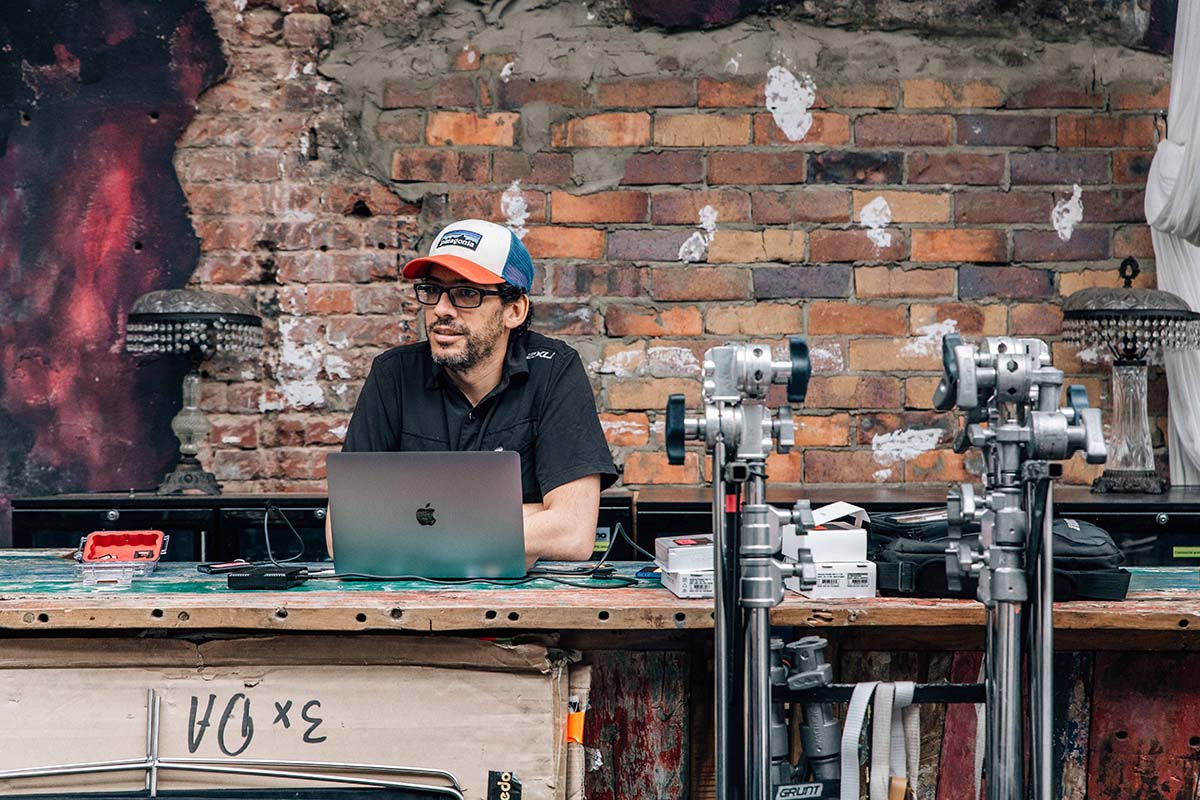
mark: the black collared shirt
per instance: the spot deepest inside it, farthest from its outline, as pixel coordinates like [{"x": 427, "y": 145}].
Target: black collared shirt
[{"x": 543, "y": 408}]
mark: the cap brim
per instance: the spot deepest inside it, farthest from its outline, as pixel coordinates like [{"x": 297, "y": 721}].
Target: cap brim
[{"x": 419, "y": 268}]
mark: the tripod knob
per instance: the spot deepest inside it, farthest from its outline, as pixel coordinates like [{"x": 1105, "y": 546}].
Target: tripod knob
[
  {"x": 946, "y": 394},
  {"x": 675, "y": 431},
  {"x": 797, "y": 387},
  {"x": 1077, "y": 401}
]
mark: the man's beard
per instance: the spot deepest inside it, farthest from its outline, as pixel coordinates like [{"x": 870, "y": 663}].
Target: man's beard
[{"x": 478, "y": 346}]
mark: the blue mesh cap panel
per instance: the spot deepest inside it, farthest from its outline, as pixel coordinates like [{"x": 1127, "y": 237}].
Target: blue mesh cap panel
[{"x": 518, "y": 268}]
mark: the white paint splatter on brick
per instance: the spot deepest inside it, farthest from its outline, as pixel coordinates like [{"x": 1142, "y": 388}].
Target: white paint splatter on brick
[
  {"x": 340, "y": 389},
  {"x": 299, "y": 366},
  {"x": 304, "y": 143},
  {"x": 507, "y": 71},
  {"x": 827, "y": 359},
  {"x": 339, "y": 432},
  {"x": 789, "y": 100},
  {"x": 888, "y": 448},
  {"x": 695, "y": 248},
  {"x": 672, "y": 361},
  {"x": 623, "y": 364},
  {"x": 875, "y": 217},
  {"x": 929, "y": 340},
  {"x": 515, "y": 209},
  {"x": 336, "y": 367},
  {"x": 231, "y": 440},
  {"x": 1067, "y": 214},
  {"x": 734, "y": 63},
  {"x": 294, "y": 72},
  {"x": 881, "y": 475},
  {"x": 619, "y": 427},
  {"x": 1089, "y": 356},
  {"x": 310, "y": 68}
]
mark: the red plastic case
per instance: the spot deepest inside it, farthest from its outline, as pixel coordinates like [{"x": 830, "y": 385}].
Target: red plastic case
[{"x": 105, "y": 547}]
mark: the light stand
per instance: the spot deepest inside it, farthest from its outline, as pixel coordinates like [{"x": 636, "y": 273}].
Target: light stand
[
  {"x": 1008, "y": 384},
  {"x": 740, "y": 432}
]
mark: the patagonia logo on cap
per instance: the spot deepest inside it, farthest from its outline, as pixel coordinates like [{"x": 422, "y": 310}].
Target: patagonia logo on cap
[{"x": 467, "y": 239}]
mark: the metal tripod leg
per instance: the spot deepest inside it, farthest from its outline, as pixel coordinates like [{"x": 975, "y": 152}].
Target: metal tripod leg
[
  {"x": 727, "y": 745},
  {"x": 1041, "y": 667}
]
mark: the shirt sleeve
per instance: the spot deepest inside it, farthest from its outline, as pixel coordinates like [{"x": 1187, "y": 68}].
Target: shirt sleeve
[
  {"x": 375, "y": 424},
  {"x": 570, "y": 441}
]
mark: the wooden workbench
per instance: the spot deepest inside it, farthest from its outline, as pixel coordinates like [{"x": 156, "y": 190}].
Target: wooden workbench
[{"x": 651, "y": 698}]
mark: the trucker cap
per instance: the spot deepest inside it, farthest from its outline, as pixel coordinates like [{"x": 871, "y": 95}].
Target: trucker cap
[{"x": 480, "y": 251}]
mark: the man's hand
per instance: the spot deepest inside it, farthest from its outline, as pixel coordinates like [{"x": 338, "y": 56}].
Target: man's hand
[{"x": 563, "y": 526}]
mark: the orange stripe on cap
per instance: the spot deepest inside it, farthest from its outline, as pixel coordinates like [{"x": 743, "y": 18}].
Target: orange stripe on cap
[{"x": 419, "y": 268}]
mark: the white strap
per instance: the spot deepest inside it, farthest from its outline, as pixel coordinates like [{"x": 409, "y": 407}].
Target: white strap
[
  {"x": 912, "y": 736},
  {"x": 881, "y": 740},
  {"x": 898, "y": 767},
  {"x": 856, "y": 714}
]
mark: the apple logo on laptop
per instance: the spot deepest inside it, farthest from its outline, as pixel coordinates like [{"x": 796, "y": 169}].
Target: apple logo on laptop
[{"x": 425, "y": 515}]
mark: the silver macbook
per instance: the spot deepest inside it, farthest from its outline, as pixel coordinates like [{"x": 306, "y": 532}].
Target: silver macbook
[{"x": 433, "y": 515}]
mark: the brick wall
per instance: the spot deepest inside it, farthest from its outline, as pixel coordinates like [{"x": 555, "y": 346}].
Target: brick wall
[{"x": 310, "y": 181}]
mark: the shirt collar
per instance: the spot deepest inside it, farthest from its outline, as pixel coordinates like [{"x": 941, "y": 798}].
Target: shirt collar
[{"x": 516, "y": 363}]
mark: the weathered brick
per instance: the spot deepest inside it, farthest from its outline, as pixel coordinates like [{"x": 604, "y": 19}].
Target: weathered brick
[
  {"x": 599, "y": 280},
  {"x": 487, "y": 204},
  {"x": 456, "y": 91},
  {"x": 643, "y": 169},
  {"x": 345, "y": 198},
  {"x": 896, "y": 282},
  {"x": 647, "y": 93},
  {"x": 783, "y": 319},
  {"x": 423, "y": 165},
  {"x": 919, "y": 390},
  {"x": 518, "y": 92},
  {"x": 848, "y": 466},
  {"x": 1055, "y": 94},
  {"x": 1004, "y": 130},
  {"x": 227, "y": 234},
  {"x": 827, "y": 129},
  {"x": 464, "y": 128},
  {"x": 646, "y": 245},
  {"x": 856, "y": 167},
  {"x": 959, "y": 168},
  {"x": 1004, "y": 283},
  {"x": 970, "y": 319},
  {"x": 683, "y": 207},
  {"x": 650, "y": 467},
  {"x": 943, "y": 466},
  {"x": 1064, "y": 168},
  {"x": 851, "y": 391},
  {"x": 1116, "y": 205},
  {"x": 734, "y": 93},
  {"x": 1083, "y": 130},
  {"x": 1036, "y": 319},
  {"x": 623, "y": 359},
  {"x": 553, "y": 169},
  {"x": 617, "y": 129},
  {"x": 906, "y": 130},
  {"x": 1071, "y": 282},
  {"x": 885, "y": 94},
  {"x": 1087, "y": 244},
  {"x": 782, "y": 468},
  {"x": 1131, "y": 166},
  {"x": 743, "y": 247},
  {"x": 625, "y": 430},
  {"x": 232, "y": 465},
  {"x": 310, "y": 31},
  {"x": 972, "y": 208},
  {"x": 466, "y": 58},
  {"x": 566, "y": 319},
  {"x": 756, "y": 168},
  {"x": 926, "y": 93},
  {"x": 382, "y": 298},
  {"x": 855, "y": 318},
  {"x": 649, "y": 393},
  {"x": 822, "y": 430},
  {"x": 1131, "y": 96},
  {"x": 644, "y": 321},
  {"x": 907, "y": 206},
  {"x": 234, "y": 431},
  {"x": 330, "y": 299},
  {"x": 959, "y": 244},
  {"x": 701, "y": 130},
  {"x": 801, "y": 281},
  {"x": 868, "y": 427},
  {"x": 401, "y": 127},
  {"x": 700, "y": 283},
  {"x": 829, "y": 245},
  {"x": 599, "y": 207},
  {"x": 1132, "y": 240},
  {"x": 803, "y": 205},
  {"x": 892, "y": 355},
  {"x": 559, "y": 242}
]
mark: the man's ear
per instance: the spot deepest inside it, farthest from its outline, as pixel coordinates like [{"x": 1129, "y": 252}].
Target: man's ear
[{"x": 516, "y": 311}]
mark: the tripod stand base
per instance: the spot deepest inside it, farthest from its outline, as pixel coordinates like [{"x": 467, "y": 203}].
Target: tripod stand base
[
  {"x": 189, "y": 478},
  {"x": 1130, "y": 481}
]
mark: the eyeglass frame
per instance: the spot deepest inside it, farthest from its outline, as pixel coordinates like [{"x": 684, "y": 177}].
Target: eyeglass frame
[{"x": 449, "y": 292}]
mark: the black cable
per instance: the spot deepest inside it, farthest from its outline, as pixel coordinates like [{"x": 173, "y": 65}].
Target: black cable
[{"x": 267, "y": 535}]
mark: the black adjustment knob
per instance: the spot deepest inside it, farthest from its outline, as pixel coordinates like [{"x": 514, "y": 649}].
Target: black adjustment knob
[
  {"x": 801, "y": 369},
  {"x": 676, "y": 413},
  {"x": 1077, "y": 399},
  {"x": 946, "y": 395}
]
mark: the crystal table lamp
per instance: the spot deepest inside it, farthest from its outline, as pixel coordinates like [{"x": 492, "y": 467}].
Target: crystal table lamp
[
  {"x": 1135, "y": 325},
  {"x": 199, "y": 325}
]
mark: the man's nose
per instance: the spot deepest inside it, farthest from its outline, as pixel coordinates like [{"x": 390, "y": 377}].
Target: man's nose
[{"x": 444, "y": 308}]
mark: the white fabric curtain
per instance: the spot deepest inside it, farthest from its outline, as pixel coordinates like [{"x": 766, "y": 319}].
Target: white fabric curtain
[{"x": 1173, "y": 211}]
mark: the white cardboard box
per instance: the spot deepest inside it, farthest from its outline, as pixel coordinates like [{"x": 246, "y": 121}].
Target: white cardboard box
[
  {"x": 688, "y": 585},
  {"x": 684, "y": 553},
  {"x": 841, "y": 579}
]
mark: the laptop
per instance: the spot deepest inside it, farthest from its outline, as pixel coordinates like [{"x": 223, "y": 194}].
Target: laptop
[{"x": 433, "y": 515}]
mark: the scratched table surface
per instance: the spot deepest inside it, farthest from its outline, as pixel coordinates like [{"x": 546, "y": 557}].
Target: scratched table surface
[{"x": 41, "y": 590}]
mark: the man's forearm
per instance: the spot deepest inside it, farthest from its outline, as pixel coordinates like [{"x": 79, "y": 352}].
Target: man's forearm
[{"x": 557, "y": 535}]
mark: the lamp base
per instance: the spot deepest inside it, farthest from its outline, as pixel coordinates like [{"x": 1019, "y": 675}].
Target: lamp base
[
  {"x": 1130, "y": 481},
  {"x": 189, "y": 478}
]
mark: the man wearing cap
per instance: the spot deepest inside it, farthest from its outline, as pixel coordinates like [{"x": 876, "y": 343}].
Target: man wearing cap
[{"x": 483, "y": 381}]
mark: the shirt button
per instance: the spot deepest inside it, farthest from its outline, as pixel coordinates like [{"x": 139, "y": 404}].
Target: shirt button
[{"x": 471, "y": 415}]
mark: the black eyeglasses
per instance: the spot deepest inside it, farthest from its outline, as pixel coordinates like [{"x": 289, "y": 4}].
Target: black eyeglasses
[{"x": 430, "y": 294}]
